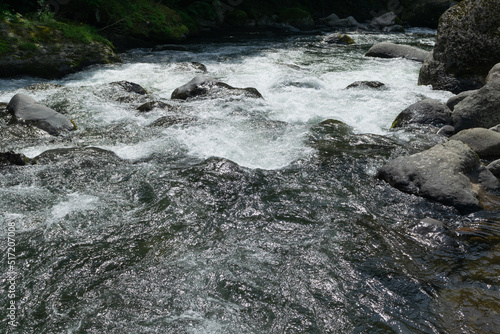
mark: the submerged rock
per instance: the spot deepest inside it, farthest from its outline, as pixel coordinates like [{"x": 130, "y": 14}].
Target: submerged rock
[
  {"x": 391, "y": 50},
  {"x": 449, "y": 173},
  {"x": 202, "y": 86},
  {"x": 428, "y": 111},
  {"x": 27, "y": 110},
  {"x": 434, "y": 232},
  {"x": 486, "y": 143},
  {"x": 366, "y": 84},
  {"x": 171, "y": 120},
  {"x": 481, "y": 109},
  {"x": 466, "y": 47},
  {"x": 81, "y": 156}
]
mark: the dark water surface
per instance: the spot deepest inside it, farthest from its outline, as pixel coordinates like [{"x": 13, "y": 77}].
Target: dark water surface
[{"x": 245, "y": 216}]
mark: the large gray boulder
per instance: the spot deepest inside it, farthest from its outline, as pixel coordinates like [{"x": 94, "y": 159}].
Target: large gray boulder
[
  {"x": 493, "y": 74},
  {"x": 27, "y": 110},
  {"x": 391, "y": 50},
  {"x": 202, "y": 86},
  {"x": 449, "y": 173},
  {"x": 485, "y": 142},
  {"x": 454, "y": 100},
  {"x": 467, "y": 46},
  {"x": 479, "y": 110},
  {"x": 428, "y": 111}
]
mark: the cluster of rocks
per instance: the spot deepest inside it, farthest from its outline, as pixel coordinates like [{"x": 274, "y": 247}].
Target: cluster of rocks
[
  {"x": 387, "y": 22},
  {"x": 465, "y": 61},
  {"x": 453, "y": 173},
  {"x": 25, "y": 117}
]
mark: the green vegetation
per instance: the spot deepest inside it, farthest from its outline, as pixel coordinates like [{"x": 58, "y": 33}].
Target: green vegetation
[{"x": 4, "y": 46}]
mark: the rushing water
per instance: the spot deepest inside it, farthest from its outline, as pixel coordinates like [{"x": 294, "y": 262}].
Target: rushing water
[{"x": 239, "y": 215}]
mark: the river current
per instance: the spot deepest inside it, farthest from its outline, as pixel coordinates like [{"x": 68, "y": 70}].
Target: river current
[{"x": 238, "y": 215}]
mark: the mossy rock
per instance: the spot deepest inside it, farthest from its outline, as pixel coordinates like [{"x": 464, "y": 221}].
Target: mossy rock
[{"x": 51, "y": 49}]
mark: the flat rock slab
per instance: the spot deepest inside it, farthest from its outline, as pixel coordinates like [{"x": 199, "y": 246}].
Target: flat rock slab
[
  {"x": 27, "y": 110},
  {"x": 202, "y": 86},
  {"x": 485, "y": 142},
  {"x": 449, "y": 173},
  {"x": 391, "y": 50}
]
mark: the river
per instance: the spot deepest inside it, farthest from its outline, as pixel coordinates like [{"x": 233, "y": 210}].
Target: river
[{"x": 233, "y": 214}]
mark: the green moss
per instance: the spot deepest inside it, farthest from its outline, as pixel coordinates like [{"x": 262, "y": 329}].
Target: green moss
[
  {"x": 25, "y": 45},
  {"x": 5, "y": 46},
  {"x": 74, "y": 124}
]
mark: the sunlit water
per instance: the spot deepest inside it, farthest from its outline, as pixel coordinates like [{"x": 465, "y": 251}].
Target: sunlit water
[{"x": 232, "y": 219}]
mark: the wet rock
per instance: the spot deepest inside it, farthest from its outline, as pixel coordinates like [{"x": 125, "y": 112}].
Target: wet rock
[
  {"x": 169, "y": 47},
  {"x": 339, "y": 39},
  {"x": 495, "y": 128},
  {"x": 122, "y": 91},
  {"x": 493, "y": 74},
  {"x": 433, "y": 231},
  {"x": 332, "y": 137},
  {"x": 446, "y": 130},
  {"x": 130, "y": 87},
  {"x": 81, "y": 156},
  {"x": 449, "y": 173},
  {"x": 466, "y": 47},
  {"x": 43, "y": 86},
  {"x": 486, "y": 143},
  {"x": 199, "y": 67},
  {"x": 171, "y": 120},
  {"x": 479, "y": 110},
  {"x": 494, "y": 167},
  {"x": 366, "y": 84},
  {"x": 149, "y": 106},
  {"x": 202, "y": 86},
  {"x": 384, "y": 20},
  {"x": 428, "y": 111},
  {"x": 334, "y": 21},
  {"x": 391, "y": 50},
  {"x": 27, "y": 111},
  {"x": 454, "y": 100},
  {"x": 11, "y": 158}
]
